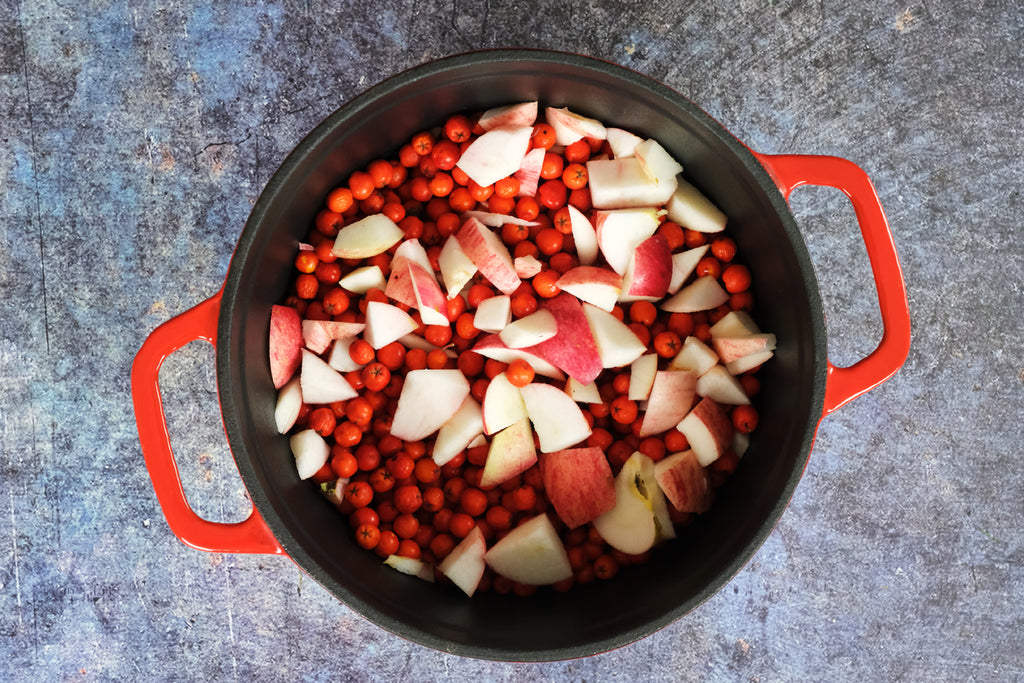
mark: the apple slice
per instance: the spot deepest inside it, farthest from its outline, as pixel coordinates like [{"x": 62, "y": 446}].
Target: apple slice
[
  {"x": 702, "y": 294},
  {"x": 583, "y": 235},
  {"x": 657, "y": 163},
  {"x": 496, "y": 154},
  {"x": 429, "y": 398},
  {"x": 339, "y": 357},
  {"x": 386, "y": 323},
  {"x": 570, "y": 126},
  {"x": 363, "y": 279},
  {"x": 622, "y": 142},
  {"x": 684, "y": 482},
  {"x": 520, "y": 114},
  {"x": 740, "y": 443},
  {"x": 493, "y": 313},
  {"x": 512, "y": 452},
  {"x": 285, "y": 344},
  {"x": 719, "y": 384},
  {"x": 491, "y": 346},
  {"x": 695, "y": 356},
  {"x": 310, "y": 451},
  {"x": 456, "y": 267},
  {"x": 649, "y": 272},
  {"x": 318, "y": 334},
  {"x": 691, "y": 209},
  {"x": 621, "y": 231},
  {"x": 748, "y": 362},
  {"x": 556, "y": 418},
  {"x": 622, "y": 183},
  {"x": 734, "y": 324},
  {"x": 527, "y": 266},
  {"x": 430, "y": 300},
  {"x": 708, "y": 429},
  {"x": 532, "y": 554},
  {"x": 641, "y": 378},
  {"x": 671, "y": 399},
  {"x": 464, "y": 565},
  {"x": 640, "y": 516},
  {"x": 573, "y": 349},
  {"x": 496, "y": 220},
  {"x": 456, "y": 434},
  {"x": 490, "y": 255},
  {"x": 579, "y": 483},
  {"x": 413, "y": 250},
  {"x": 617, "y": 345},
  {"x": 733, "y": 348},
  {"x": 321, "y": 383},
  {"x": 528, "y": 174},
  {"x": 583, "y": 393},
  {"x": 288, "y": 406},
  {"x": 503, "y": 404},
  {"x": 683, "y": 265},
  {"x": 367, "y": 237},
  {"x": 529, "y": 330},
  {"x": 597, "y": 286},
  {"x": 411, "y": 566}
]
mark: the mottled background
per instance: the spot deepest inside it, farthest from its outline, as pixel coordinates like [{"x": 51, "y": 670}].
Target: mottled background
[{"x": 136, "y": 137}]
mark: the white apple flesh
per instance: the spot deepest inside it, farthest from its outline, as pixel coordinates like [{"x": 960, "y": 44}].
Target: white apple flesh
[
  {"x": 464, "y": 565},
  {"x": 496, "y": 154},
  {"x": 622, "y": 183},
  {"x": 621, "y": 231},
  {"x": 557, "y": 420},
  {"x": 598, "y": 286},
  {"x": 529, "y": 330},
  {"x": 511, "y": 453},
  {"x": 531, "y": 554},
  {"x": 519, "y": 114},
  {"x": 638, "y": 520},
  {"x": 363, "y": 279},
  {"x": 310, "y": 452},
  {"x": 503, "y": 404},
  {"x": 691, "y": 209},
  {"x": 321, "y": 383},
  {"x": 429, "y": 398},
  {"x": 386, "y": 323},
  {"x": 288, "y": 406},
  {"x": 720, "y": 385},
  {"x": 457, "y": 432},
  {"x": 702, "y": 294},
  {"x": 583, "y": 235},
  {"x": 367, "y": 237},
  {"x": 617, "y": 345},
  {"x": 570, "y": 126}
]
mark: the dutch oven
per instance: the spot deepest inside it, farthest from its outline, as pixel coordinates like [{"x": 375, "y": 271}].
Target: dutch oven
[{"x": 799, "y": 385}]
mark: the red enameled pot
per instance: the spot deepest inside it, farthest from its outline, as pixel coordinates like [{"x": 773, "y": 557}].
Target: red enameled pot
[{"x": 799, "y": 385}]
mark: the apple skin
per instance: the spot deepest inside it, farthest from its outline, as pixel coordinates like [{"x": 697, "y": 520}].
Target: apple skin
[
  {"x": 286, "y": 344},
  {"x": 532, "y": 554},
  {"x": 519, "y": 114},
  {"x": 490, "y": 255},
  {"x": 708, "y": 429},
  {"x": 318, "y": 334},
  {"x": 670, "y": 400},
  {"x": 528, "y": 174},
  {"x": 733, "y": 348},
  {"x": 491, "y": 346},
  {"x": 593, "y": 284},
  {"x": 573, "y": 349},
  {"x": 684, "y": 482},
  {"x": 579, "y": 483},
  {"x": 511, "y": 453},
  {"x": 649, "y": 273}
]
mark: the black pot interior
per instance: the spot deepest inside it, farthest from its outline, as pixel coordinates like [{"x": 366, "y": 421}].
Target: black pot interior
[{"x": 641, "y": 599}]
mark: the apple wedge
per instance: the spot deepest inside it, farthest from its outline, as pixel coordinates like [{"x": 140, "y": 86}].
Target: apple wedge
[
  {"x": 503, "y": 405},
  {"x": 622, "y": 183},
  {"x": 429, "y": 398},
  {"x": 464, "y": 565},
  {"x": 528, "y": 174},
  {"x": 363, "y": 279},
  {"x": 456, "y": 267},
  {"x": 583, "y": 393},
  {"x": 719, "y": 384},
  {"x": 458, "y": 431},
  {"x": 670, "y": 400},
  {"x": 490, "y": 255},
  {"x": 288, "y": 406},
  {"x": 367, "y": 237},
  {"x": 641, "y": 378},
  {"x": 649, "y": 272},
  {"x": 527, "y": 266},
  {"x": 531, "y": 554},
  {"x": 621, "y": 231},
  {"x": 557, "y": 420},
  {"x": 695, "y": 356},
  {"x": 318, "y": 334},
  {"x": 691, "y": 209},
  {"x": 496, "y": 154},
  {"x": 496, "y": 220},
  {"x": 617, "y": 345},
  {"x": 734, "y": 324},
  {"x": 598, "y": 286},
  {"x": 657, "y": 163},
  {"x": 583, "y": 235},
  {"x": 386, "y": 323},
  {"x": 748, "y": 362},
  {"x": 310, "y": 452},
  {"x": 622, "y": 142},
  {"x": 684, "y": 482},
  {"x": 734, "y": 348},
  {"x": 579, "y": 483},
  {"x": 321, "y": 383},
  {"x": 570, "y": 126},
  {"x": 519, "y": 114},
  {"x": 493, "y": 314},
  {"x": 285, "y": 344},
  {"x": 491, "y": 346},
  {"x": 683, "y": 265},
  {"x": 573, "y": 349},
  {"x": 640, "y": 516},
  {"x": 708, "y": 429},
  {"x": 511, "y": 452},
  {"x": 430, "y": 301},
  {"x": 529, "y": 330},
  {"x": 339, "y": 357},
  {"x": 411, "y": 566},
  {"x": 702, "y": 294}
]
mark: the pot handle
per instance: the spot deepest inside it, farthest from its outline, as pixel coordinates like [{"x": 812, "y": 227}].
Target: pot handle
[
  {"x": 251, "y": 535},
  {"x": 790, "y": 171}
]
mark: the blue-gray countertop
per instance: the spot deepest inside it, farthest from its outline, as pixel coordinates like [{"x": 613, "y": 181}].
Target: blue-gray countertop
[{"x": 134, "y": 139}]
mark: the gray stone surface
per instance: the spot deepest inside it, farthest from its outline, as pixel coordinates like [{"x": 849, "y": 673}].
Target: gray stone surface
[{"x": 135, "y": 138}]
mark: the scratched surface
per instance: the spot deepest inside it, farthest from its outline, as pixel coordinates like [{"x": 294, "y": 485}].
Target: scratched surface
[{"x": 135, "y": 139}]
